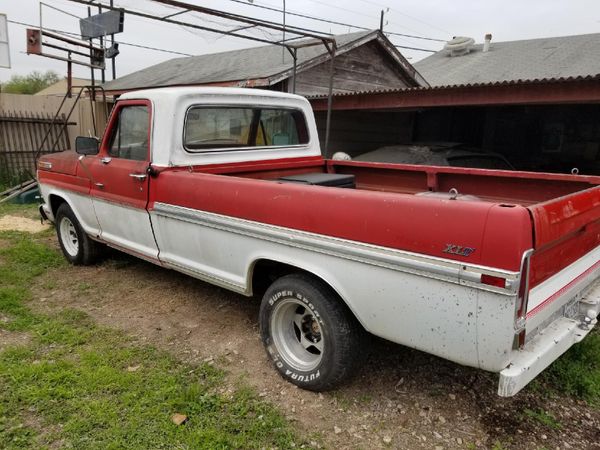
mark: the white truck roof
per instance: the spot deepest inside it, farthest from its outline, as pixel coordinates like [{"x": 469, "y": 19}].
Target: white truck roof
[{"x": 169, "y": 107}]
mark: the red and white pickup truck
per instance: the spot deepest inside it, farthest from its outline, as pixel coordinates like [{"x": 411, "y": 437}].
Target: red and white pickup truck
[{"x": 492, "y": 269}]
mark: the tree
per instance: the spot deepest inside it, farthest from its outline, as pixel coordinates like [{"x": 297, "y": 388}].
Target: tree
[{"x": 30, "y": 84}]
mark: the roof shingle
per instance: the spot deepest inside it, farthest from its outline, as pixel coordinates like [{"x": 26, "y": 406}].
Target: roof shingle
[
  {"x": 533, "y": 59},
  {"x": 246, "y": 64}
]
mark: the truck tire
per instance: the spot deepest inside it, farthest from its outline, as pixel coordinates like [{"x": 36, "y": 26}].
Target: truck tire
[
  {"x": 75, "y": 244},
  {"x": 310, "y": 335}
]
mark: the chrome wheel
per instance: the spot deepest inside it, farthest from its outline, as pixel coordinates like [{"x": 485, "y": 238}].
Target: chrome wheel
[
  {"x": 297, "y": 334},
  {"x": 68, "y": 236}
]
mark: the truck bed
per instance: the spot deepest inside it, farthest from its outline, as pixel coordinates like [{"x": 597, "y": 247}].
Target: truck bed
[
  {"x": 501, "y": 214},
  {"x": 495, "y": 186}
]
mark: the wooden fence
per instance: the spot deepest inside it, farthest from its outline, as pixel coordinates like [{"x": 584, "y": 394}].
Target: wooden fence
[
  {"x": 26, "y": 119},
  {"x": 25, "y": 135}
]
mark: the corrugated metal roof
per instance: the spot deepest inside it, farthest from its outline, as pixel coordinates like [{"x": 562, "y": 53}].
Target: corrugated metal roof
[
  {"x": 246, "y": 64},
  {"x": 534, "y": 59},
  {"x": 458, "y": 86}
]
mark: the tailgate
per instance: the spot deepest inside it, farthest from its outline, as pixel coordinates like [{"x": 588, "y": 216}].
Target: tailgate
[{"x": 566, "y": 253}]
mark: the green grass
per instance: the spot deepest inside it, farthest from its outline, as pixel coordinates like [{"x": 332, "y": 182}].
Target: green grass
[
  {"x": 29, "y": 210},
  {"x": 76, "y": 384},
  {"x": 577, "y": 372},
  {"x": 543, "y": 417}
]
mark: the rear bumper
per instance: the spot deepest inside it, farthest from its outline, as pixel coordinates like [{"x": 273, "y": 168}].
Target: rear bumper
[{"x": 549, "y": 344}]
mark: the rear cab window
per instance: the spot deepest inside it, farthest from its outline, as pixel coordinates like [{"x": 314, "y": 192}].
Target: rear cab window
[{"x": 221, "y": 128}]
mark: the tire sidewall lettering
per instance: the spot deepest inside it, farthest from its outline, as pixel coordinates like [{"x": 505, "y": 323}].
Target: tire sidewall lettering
[{"x": 284, "y": 369}]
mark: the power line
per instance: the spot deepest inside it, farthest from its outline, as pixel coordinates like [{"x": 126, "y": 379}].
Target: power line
[
  {"x": 360, "y": 13},
  {"x": 381, "y": 5},
  {"x": 414, "y": 48},
  {"x": 333, "y": 21},
  {"x": 146, "y": 47}
]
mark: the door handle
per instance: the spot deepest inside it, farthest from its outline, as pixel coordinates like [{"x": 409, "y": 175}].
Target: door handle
[
  {"x": 106, "y": 160},
  {"x": 138, "y": 176},
  {"x": 99, "y": 185}
]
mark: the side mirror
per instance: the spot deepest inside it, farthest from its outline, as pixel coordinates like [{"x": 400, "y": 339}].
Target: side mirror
[{"x": 87, "y": 145}]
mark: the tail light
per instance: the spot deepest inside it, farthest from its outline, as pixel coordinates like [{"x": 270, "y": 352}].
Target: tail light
[
  {"x": 491, "y": 280},
  {"x": 522, "y": 300}
]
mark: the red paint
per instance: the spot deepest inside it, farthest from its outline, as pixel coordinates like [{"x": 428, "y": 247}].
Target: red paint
[
  {"x": 565, "y": 215},
  {"x": 255, "y": 168},
  {"x": 566, "y": 250},
  {"x": 417, "y": 224},
  {"x": 521, "y": 187},
  {"x": 72, "y": 183},
  {"x": 63, "y": 162}
]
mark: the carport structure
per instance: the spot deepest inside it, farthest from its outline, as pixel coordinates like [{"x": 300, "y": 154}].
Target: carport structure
[{"x": 548, "y": 123}]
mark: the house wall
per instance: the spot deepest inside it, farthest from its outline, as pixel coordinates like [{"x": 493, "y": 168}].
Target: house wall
[{"x": 364, "y": 68}]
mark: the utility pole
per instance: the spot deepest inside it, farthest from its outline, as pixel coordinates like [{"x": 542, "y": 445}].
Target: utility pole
[
  {"x": 89, "y": 9},
  {"x": 103, "y": 71},
  {"x": 112, "y": 44},
  {"x": 283, "y": 48},
  {"x": 381, "y": 22}
]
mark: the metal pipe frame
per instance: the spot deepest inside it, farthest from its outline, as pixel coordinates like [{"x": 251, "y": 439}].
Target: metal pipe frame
[
  {"x": 318, "y": 38},
  {"x": 303, "y": 32},
  {"x": 294, "y": 53},
  {"x": 68, "y": 116},
  {"x": 41, "y": 41}
]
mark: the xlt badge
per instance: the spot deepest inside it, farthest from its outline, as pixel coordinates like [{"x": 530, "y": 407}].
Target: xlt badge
[{"x": 458, "y": 250}]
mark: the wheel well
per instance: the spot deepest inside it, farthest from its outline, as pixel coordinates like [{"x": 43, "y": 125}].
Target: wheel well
[
  {"x": 55, "y": 202},
  {"x": 266, "y": 271}
]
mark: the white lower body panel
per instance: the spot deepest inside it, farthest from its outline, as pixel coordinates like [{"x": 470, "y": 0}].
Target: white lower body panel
[
  {"x": 79, "y": 203},
  {"x": 424, "y": 303},
  {"x": 126, "y": 227},
  {"x": 550, "y": 343}
]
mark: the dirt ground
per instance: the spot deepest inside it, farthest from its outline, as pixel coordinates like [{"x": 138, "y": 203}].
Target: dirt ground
[
  {"x": 18, "y": 223},
  {"x": 401, "y": 398}
]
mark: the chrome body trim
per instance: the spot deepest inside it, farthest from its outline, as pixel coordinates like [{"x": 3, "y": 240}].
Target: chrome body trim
[{"x": 403, "y": 261}]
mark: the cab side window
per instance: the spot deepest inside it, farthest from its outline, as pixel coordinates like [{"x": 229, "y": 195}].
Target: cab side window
[{"x": 129, "y": 138}]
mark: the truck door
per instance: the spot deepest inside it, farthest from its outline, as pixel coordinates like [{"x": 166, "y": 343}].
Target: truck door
[{"x": 120, "y": 180}]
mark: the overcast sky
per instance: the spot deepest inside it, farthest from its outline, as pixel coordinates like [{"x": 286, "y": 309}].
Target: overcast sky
[{"x": 438, "y": 19}]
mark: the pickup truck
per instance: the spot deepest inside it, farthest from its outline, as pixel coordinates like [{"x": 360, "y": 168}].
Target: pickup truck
[{"x": 492, "y": 269}]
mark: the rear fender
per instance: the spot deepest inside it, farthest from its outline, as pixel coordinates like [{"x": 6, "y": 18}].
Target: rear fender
[{"x": 302, "y": 266}]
